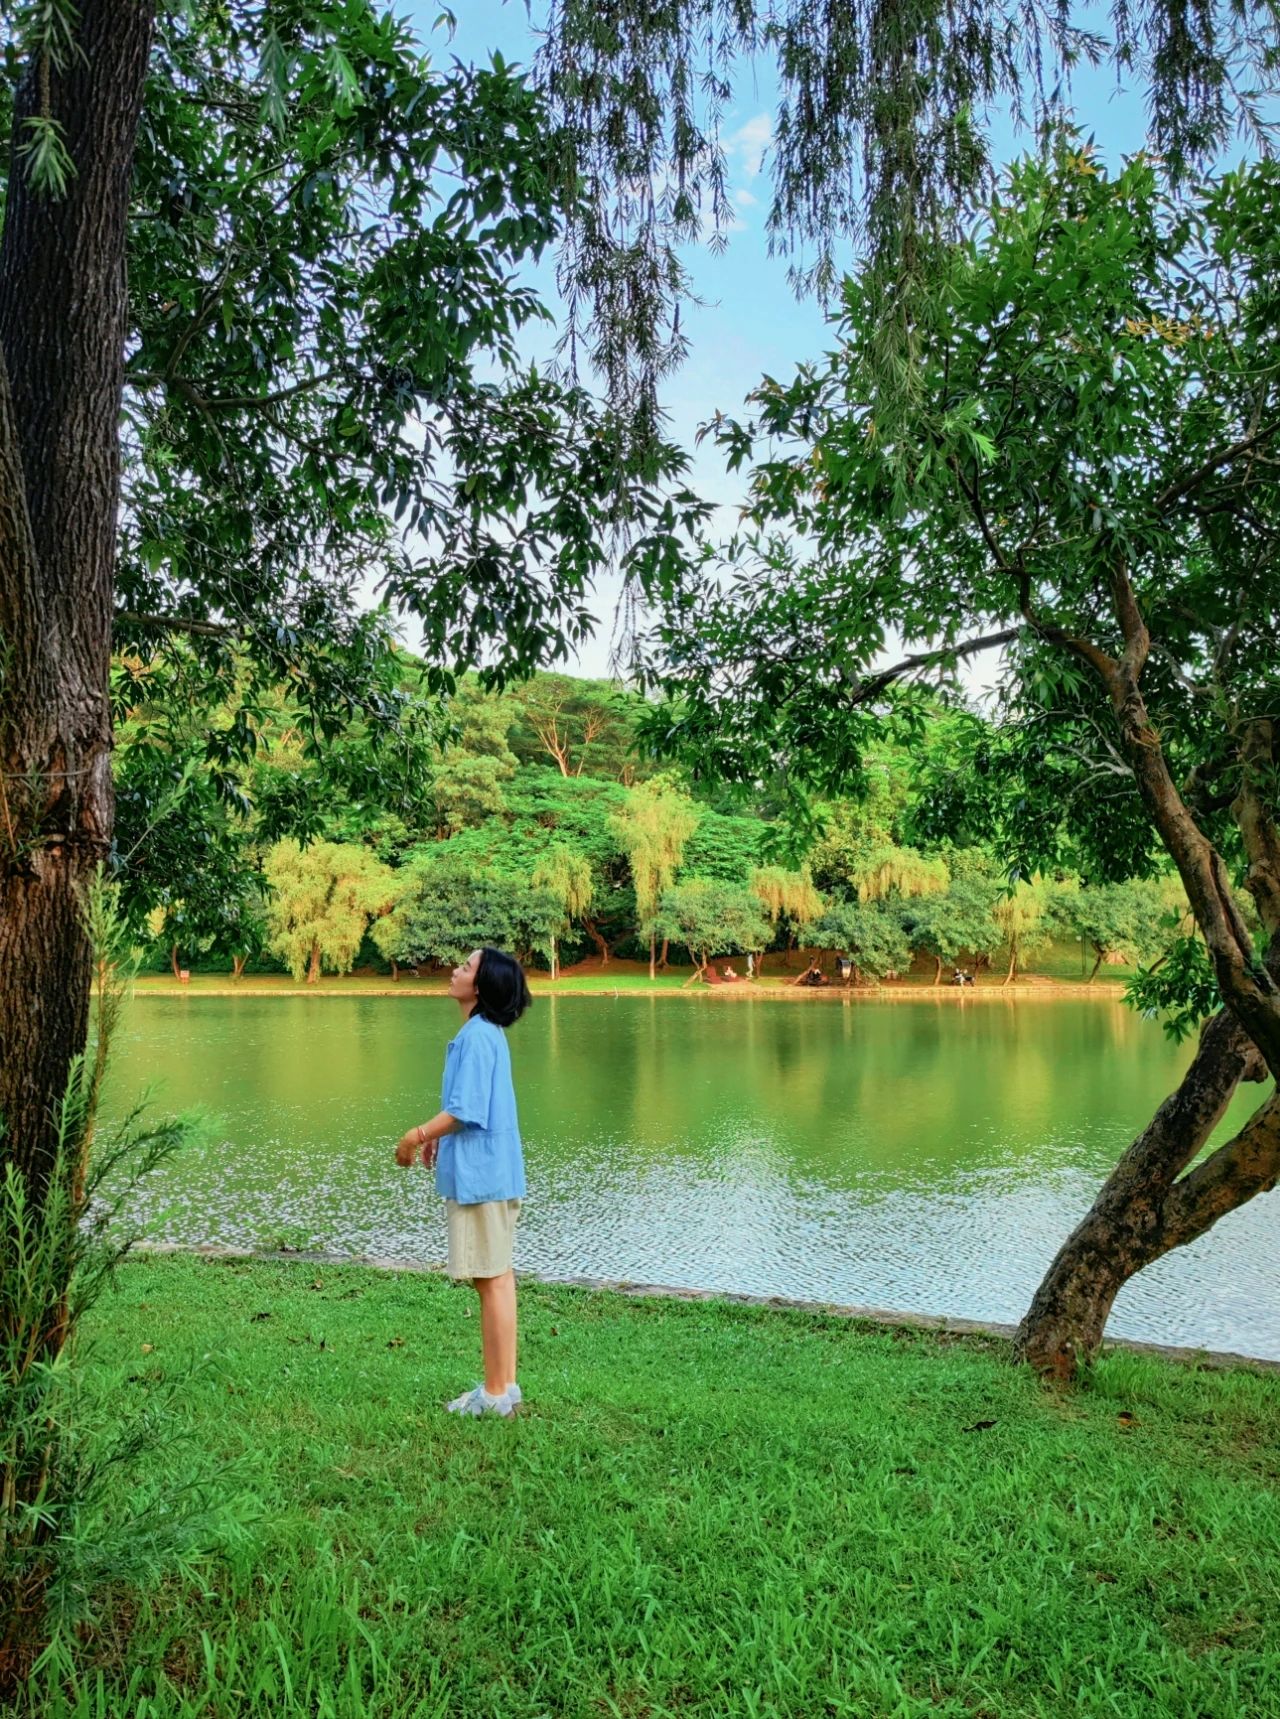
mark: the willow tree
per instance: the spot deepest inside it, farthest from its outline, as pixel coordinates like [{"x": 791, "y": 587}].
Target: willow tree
[
  {"x": 889, "y": 870},
  {"x": 567, "y": 877},
  {"x": 786, "y": 895},
  {"x": 880, "y": 137},
  {"x": 652, "y": 827},
  {"x": 322, "y": 900},
  {"x": 1021, "y": 913},
  {"x": 1089, "y": 487}
]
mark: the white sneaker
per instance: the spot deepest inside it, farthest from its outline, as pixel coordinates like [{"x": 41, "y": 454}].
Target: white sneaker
[{"x": 479, "y": 1402}]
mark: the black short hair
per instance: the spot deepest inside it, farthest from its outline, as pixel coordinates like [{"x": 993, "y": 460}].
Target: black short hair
[{"x": 501, "y": 988}]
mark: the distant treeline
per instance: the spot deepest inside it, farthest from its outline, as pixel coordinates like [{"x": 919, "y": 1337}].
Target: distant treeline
[{"x": 536, "y": 820}]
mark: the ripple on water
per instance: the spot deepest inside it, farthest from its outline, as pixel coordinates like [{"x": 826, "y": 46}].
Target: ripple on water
[{"x": 926, "y": 1164}]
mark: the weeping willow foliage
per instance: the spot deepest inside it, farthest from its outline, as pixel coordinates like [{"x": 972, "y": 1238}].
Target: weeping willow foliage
[
  {"x": 323, "y": 898},
  {"x": 790, "y": 893},
  {"x": 891, "y": 870},
  {"x": 653, "y": 828},
  {"x": 566, "y": 876},
  {"x": 1023, "y": 918},
  {"x": 879, "y": 140}
]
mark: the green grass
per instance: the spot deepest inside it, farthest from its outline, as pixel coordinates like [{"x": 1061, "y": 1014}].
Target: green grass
[{"x": 707, "y": 1511}]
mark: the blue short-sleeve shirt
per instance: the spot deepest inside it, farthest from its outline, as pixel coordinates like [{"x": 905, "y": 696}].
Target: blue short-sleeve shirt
[{"x": 482, "y": 1160}]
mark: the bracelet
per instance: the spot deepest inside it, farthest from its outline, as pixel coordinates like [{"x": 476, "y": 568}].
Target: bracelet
[{"x": 418, "y": 1132}]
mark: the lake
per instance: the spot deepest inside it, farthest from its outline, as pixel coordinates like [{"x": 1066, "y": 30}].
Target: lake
[{"x": 926, "y": 1155}]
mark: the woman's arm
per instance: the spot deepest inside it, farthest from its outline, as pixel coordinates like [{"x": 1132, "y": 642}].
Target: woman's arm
[{"x": 425, "y": 1139}]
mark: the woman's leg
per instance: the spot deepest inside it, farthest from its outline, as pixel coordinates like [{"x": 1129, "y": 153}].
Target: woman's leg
[{"x": 498, "y": 1330}]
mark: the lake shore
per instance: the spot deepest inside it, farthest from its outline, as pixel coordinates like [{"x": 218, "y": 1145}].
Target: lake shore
[
  {"x": 883, "y": 1318},
  {"x": 625, "y": 982}
]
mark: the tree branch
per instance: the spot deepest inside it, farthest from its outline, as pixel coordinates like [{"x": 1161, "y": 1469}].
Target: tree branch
[
  {"x": 1246, "y": 1165},
  {"x": 227, "y": 402},
  {"x": 1184, "y": 485},
  {"x": 1254, "y": 814},
  {"x": 876, "y": 683},
  {"x": 174, "y": 624}
]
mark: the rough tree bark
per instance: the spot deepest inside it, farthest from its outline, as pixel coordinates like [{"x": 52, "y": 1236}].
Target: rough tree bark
[
  {"x": 62, "y": 334},
  {"x": 1143, "y": 1209}
]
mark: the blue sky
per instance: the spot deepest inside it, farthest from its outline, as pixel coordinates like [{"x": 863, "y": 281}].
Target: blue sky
[{"x": 751, "y": 321}]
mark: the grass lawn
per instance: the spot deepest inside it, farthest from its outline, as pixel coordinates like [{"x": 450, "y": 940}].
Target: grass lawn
[{"x": 706, "y": 1510}]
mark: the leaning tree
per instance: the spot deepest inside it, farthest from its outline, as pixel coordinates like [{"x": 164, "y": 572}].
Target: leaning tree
[{"x": 1088, "y": 485}]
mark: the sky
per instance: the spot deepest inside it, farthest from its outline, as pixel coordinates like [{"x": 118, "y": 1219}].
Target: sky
[{"x": 750, "y": 322}]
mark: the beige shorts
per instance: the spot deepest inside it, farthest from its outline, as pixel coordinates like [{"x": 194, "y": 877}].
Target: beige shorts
[{"x": 481, "y": 1237}]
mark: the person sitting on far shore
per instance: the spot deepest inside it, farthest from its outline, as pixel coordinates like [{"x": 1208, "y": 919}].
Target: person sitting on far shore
[
  {"x": 728, "y": 975},
  {"x": 812, "y": 975}
]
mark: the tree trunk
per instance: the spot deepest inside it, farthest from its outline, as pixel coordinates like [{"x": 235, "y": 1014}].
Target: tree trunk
[
  {"x": 313, "y": 968},
  {"x": 937, "y": 969},
  {"x": 1013, "y": 964},
  {"x": 662, "y": 958},
  {"x": 589, "y": 927},
  {"x": 1147, "y": 1205},
  {"x": 1143, "y": 1210},
  {"x": 1094, "y": 974},
  {"x": 653, "y": 956},
  {"x": 395, "y": 971},
  {"x": 62, "y": 334},
  {"x": 1247, "y": 986},
  {"x": 237, "y": 966},
  {"x": 174, "y": 962}
]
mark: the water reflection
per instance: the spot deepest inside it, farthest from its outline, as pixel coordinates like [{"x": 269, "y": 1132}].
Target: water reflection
[{"x": 926, "y": 1155}]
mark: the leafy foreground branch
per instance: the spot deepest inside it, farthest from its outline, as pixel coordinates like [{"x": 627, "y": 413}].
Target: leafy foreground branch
[
  {"x": 708, "y": 1511},
  {"x": 59, "y": 1541}
]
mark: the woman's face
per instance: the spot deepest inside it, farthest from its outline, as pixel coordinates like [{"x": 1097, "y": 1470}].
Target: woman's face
[{"x": 462, "y": 983}]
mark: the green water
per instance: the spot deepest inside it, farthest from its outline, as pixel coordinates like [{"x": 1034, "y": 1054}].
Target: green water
[{"x": 923, "y": 1155}]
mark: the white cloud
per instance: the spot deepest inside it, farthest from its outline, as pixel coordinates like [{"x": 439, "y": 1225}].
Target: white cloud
[
  {"x": 748, "y": 144},
  {"x": 744, "y": 198}
]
